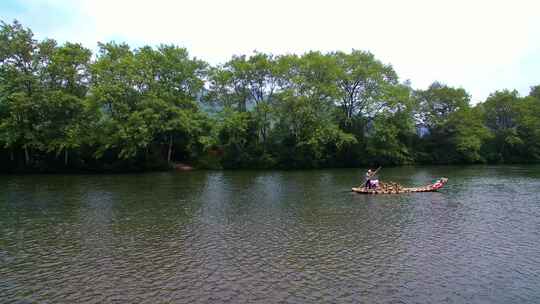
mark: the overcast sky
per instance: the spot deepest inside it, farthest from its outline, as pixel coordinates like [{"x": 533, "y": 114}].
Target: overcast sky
[{"x": 482, "y": 46}]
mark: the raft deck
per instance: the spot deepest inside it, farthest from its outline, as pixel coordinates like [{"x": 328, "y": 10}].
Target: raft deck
[
  {"x": 404, "y": 190},
  {"x": 428, "y": 188}
]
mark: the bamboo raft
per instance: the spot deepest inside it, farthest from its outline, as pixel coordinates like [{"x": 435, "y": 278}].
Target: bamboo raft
[{"x": 394, "y": 188}]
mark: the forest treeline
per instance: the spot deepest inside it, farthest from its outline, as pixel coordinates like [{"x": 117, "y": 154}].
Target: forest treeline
[{"x": 63, "y": 108}]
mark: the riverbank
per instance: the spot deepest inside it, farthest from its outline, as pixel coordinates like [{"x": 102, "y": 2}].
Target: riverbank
[{"x": 187, "y": 167}]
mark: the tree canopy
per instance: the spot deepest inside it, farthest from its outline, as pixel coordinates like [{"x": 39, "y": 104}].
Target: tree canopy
[{"x": 63, "y": 108}]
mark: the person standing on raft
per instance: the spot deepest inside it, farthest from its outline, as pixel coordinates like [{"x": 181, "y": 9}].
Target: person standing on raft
[
  {"x": 367, "y": 183},
  {"x": 370, "y": 176}
]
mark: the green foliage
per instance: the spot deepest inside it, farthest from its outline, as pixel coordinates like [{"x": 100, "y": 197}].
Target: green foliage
[
  {"x": 535, "y": 92},
  {"x": 468, "y": 134},
  {"x": 502, "y": 117},
  {"x": 362, "y": 82},
  {"x": 146, "y": 96},
  {"x": 529, "y": 127},
  {"x": 308, "y": 135},
  {"x": 444, "y": 113},
  {"x": 437, "y": 103},
  {"x": 391, "y": 133},
  {"x": 243, "y": 82},
  {"x": 142, "y": 109}
]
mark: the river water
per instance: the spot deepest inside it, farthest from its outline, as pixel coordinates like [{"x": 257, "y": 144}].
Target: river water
[{"x": 271, "y": 237}]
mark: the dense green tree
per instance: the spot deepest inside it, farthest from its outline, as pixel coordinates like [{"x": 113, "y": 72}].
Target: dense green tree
[
  {"x": 145, "y": 108},
  {"x": 501, "y": 117},
  {"x": 243, "y": 81},
  {"x": 21, "y": 91},
  {"x": 362, "y": 82},
  {"x": 529, "y": 127},
  {"x": 435, "y": 108},
  {"x": 308, "y": 138},
  {"x": 17, "y": 126},
  {"x": 535, "y": 92},
  {"x": 116, "y": 90},
  {"x": 468, "y": 134},
  {"x": 236, "y": 136},
  {"x": 247, "y": 83},
  {"x": 146, "y": 96},
  {"x": 173, "y": 81},
  {"x": 437, "y": 103},
  {"x": 306, "y": 124},
  {"x": 389, "y": 138},
  {"x": 66, "y": 79}
]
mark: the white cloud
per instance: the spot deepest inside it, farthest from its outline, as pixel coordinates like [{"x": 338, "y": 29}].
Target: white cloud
[{"x": 479, "y": 45}]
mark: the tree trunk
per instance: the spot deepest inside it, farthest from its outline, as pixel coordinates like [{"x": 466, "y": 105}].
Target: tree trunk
[
  {"x": 66, "y": 157},
  {"x": 12, "y": 155},
  {"x": 26, "y": 156},
  {"x": 243, "y": 105},
  {"x": 169, "y": 153},
  {"x": 264, "y": 131}
]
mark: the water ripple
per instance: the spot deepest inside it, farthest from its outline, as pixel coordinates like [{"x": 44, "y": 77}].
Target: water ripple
[{"x": 270, "y": 237}]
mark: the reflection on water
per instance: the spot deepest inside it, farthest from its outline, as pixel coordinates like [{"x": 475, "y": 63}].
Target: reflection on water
[{"x": 271, "y": 237}]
